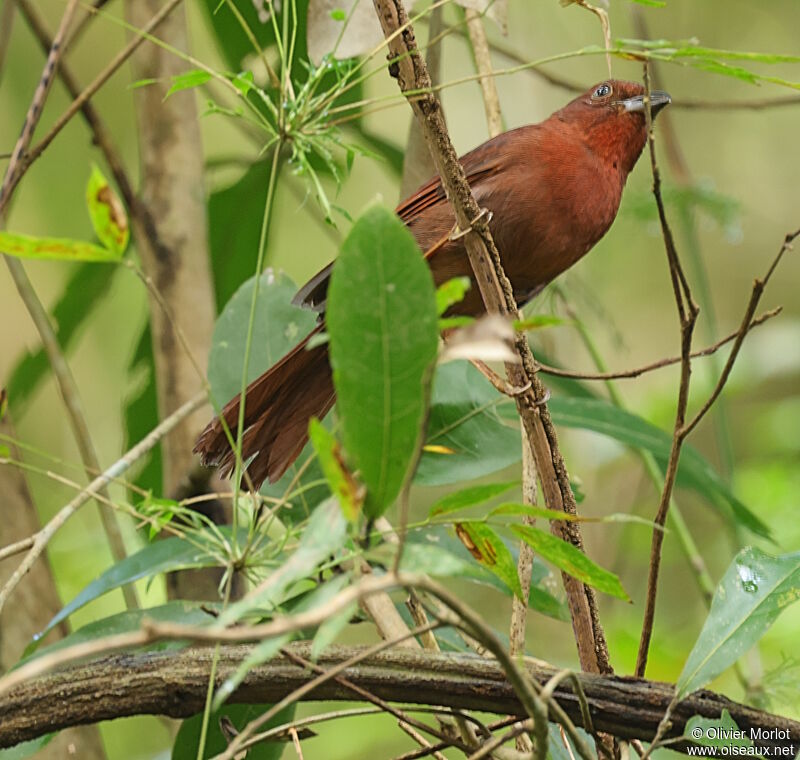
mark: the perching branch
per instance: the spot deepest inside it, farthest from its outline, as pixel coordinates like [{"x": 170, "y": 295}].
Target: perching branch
[
  {"x": 498, "y": 298},
  {"x": 174, "y": 684}
]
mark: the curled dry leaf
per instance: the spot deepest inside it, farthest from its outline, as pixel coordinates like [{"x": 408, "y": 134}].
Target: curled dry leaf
[
  {"x": 336, "y": 27},
  {"x": 497, "y": 10},
  {"x": 489, "y": 339}
]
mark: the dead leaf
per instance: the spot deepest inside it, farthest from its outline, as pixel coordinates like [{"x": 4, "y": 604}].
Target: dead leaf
[
  {"x": 488, "y": 339},
  {"x": 497, "y": 10},
  {"x": 335, "y": 27}
]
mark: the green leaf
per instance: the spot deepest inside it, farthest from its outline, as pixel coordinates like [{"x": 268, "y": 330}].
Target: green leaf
[
  {"x": 722, "y": 732},
  {"x": 184, "y": 612},
  {"x": 234, "y": 227},
  {"x": 554, "y": 514},
  {"x": 381, "y": 318},
  {"x": 694, "y": 470},
  {"x": 434, "y": 550},
  {"x": 489, "y": 549},
  {"x": 756, "y": 588},
  {"x": 451, "y": 292},
  {"x": 324, "y": 535},
  {"x": 187, "y": 740},
  {"x": 159, "y": 557},
  {"x": 107, "y": 213},
  {"x": 571, "y": 560},
  {"x": 538, "y": 321},
  {"x": 278, "y": 326},
  {"x": 187, "y": 80},
  {"x": 56, "y": 249},
  {"x": 464, "y": 420},
  {"x": 650, "y": 3},
  {"x": 340, "y": 480},
  {"x": 469, "y": 497}
]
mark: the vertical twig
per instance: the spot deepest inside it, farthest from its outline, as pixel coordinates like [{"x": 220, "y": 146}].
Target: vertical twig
[
  {"x": 687, "y": 315},
  {"x": 483, "y": 63}
]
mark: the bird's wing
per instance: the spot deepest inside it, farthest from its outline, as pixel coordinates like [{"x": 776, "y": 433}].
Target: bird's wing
[{"x": 481, "y": 162}]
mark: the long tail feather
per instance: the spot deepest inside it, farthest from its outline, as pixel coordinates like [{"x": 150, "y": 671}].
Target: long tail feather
[{"x": 278, "y": 406}]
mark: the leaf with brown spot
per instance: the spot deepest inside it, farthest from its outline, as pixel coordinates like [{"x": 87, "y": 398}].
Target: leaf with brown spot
[
  {"x": 109, "y": 219},
  {"x": 490, "y": 550}
]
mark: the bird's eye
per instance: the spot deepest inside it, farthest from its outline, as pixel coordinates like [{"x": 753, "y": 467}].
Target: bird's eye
[{"x": 602, "y": 91}]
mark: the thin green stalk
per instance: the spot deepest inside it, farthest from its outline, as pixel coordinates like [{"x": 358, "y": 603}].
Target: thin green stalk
[
  {"x": 212, "y": 676},
  {"x": 262, "y": 246}
]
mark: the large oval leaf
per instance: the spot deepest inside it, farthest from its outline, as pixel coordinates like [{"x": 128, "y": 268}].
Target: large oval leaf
[
  {"x": 756, "y": 588},
  {"x": 278, "y": 326},
  {"x": 382, "y": 323},
  {"x": 467, "y": 438}
]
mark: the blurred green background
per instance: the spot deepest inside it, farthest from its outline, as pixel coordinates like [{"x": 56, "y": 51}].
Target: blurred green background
[{"x": 621, "y": 290}]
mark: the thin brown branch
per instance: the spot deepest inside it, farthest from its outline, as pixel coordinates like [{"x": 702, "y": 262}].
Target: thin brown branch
[
  {"x": 42, "y": 538},
  {"x": 661, "y": 363},
  {"x": 147, "y": 683},
  {"x": 687, "y": 315},
  {"x": 755, "y": 296},
  {"x": 498, "y": 298},
  {"x": 483, "y": 63},
  {"x": 76, "y": 105}
]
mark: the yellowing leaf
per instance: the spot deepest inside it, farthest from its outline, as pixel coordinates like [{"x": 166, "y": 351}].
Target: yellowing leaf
[
  {"x": 64, "y": 249},
  {"x": 107, "y": 213}
]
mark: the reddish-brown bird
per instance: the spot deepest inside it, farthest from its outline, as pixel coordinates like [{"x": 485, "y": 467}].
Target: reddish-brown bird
[{"x": 553, "y": 189}]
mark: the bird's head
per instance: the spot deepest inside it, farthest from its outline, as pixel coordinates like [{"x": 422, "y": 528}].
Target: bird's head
[{"x": 611, "y": 118}]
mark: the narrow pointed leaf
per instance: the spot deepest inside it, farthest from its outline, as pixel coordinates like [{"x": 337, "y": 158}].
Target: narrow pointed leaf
[
  {"x": 571, "y": 560},
  {"x": 755, "y": 589},
  {"x": 469, "y": 497}
]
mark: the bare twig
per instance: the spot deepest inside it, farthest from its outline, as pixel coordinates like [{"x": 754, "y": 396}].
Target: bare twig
[
  {"x": 688, "y": 311},
  {"x": 661, "y": 363},
  {"x": 689, "y": 104},
  {"x": 76, "y": 105},
  {"x": 483, "y": 62},
  {"x": 687, "y": 315},
  {"x": 42, "y": 538}
]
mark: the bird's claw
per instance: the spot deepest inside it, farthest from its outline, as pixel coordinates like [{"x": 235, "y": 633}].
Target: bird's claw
[{"x": 458, "y": 234}]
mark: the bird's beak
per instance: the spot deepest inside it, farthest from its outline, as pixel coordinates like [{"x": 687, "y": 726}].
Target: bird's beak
[{"x": 658, "y": 100}]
